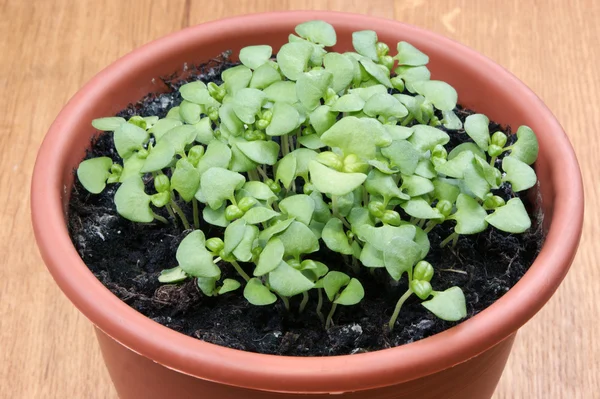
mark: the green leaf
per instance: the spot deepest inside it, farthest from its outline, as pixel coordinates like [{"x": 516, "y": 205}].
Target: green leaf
[
  {"x": 456, "y": 166},
  {"x": 129, "y": 138},
  {"x": 475, "y": 179},
  {"x": 194, "y": 259},
  {"x": 286, "y": 170},
  {"x": 270, "y": 257},
  {"x": 440, "y": 94},
  {"x": 367, "y": 92},
  {"x": 109, "y": 124},
  {"x": 285, "y": 119},
  {"x": 215, "y": 217},
  {"x": 174, "y": 275},
  {"x": 230, "y": 120},
  {"x": 132, "y": 166},
  {"x": 512, "y": 217},
  {"x": 333, "y": 282},
  {"x": 185, "y": 180},
  {"x": 402, "y": 154},
  {"x": 425, "y": 138},
  {"x": 330, "y": 181},
  {"x": 470, "y": 147},
  {"x": 262, "y": 152},
  {"x": 194, "y": 92},
  {"x": 247, "y": 103},
  {"x": 234, "y": 233},
  {"x": 422, "y": 240},
  {"x": 364, "y": 42},
  {"x": 257, "y": 294},
  {"x": 312, "y": 86},
  {"x": 477, "y": 127},
  {"x": 190, "y": 112},
  {"x": 163, "y": 126},
  {"x": 204, "y": 131},
  {"x": 217, "y": 154},
  {"x": 293, "y": 58},
  {"x": 228, "y": 286},
  {"x": 282, "y": 92},
  {"x": 385, "y": 105},
  {"x": 381, "y": 237},
  {"x": 236, "y": 78},
  {"x": 299, "y": 206},
  {"x": 264, "y": 76},
  {"x": 348, "y": 103},
  {"x": 239, "y": 161},
  {"x": 443, "y": 190},
  {"x": 150, "y": 121},
  {"x": 255, "y": 56},
  {"x": 352, "y": 294},
  {"x": 526, "y": 148},
  {"x": 219, "y": 184},
  {"x": 311, "y": 141},
  {"x": 411, "y": 74},
  {"x": 342, "y": 69},
  {"x": 379, "y": 183},
  {"x": 298, "y": 239},
  {"x": 132, "y": 202},
  {"x": 303, "y": 158},
  {"x": 207, "y": 285},
  {"x": 451, "y": 121},
  {"x": 322, "y": 212},
  {"x": 335, "y": 237},
  {"x": 410, "y": 55},
  {"x": 383, "y": 167},
  {"x": 243, "y": 251},
  {"x": 414, "y": 105},
  {"x": 399, "y": 256},
  {"x": 92, "y": 173},
  {"x": 317, "y": 32},
  {"x": 259, "y": 214},
  {"x": 287, "y": 281},
  {"x": 322, "y": 118},
  {"x": 173, "y": 113},
  {"x": 470, "y": 216},
  {"x": 316, "y": 57},
  {"x": 415, "y": 185},
  {"x": 276, "y": 228},
  {"x": 377, "y": 72},
  {"x": 371, "y": 256},
  {"x": 359, "y": 136},
  {"x": 259, "y": 190},
  {"x": 397, "y": 132},
  {"x": 179, "y": 137},
  {"x": 425, "y": 169},
  {"x": 448, "y": 305},
  {"x": 419, "y": 208}
]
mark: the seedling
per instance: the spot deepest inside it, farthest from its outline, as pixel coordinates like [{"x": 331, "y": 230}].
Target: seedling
[{"x": 315, "y": 149}]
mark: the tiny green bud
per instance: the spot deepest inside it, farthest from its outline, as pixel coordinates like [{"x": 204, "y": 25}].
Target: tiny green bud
[
  {"x": 434, "y": 121},
  {"x": 217, "y": 133},
  {"x": 353, "y": 164},
  {"x": 260, "y": 135},
  {"x": 256, "y": 251},
  {"x": 214, "y": 91},
  {"x": 438, "y": 161},
  {"x": 295, "y": 263},
  {"x": 214, "y": 244},
  {"x": 350, "y": 234},
  {"x": 445, "y": 207},
  {"x": 142, "y": 153},
  {"x": 162, "y": 183},
  {"x": 499, "y": 139},
  {"x": 494, "y": 150},
  {"x": 276, "y": 188},
  {"x": 250, "y": 135},
  {"x": 113, "y": 179},
  {"x": 308, "y": 130},
  {"x": 213, "y": 113},
  {"x": 439, "y": 152},
  {"x": 308, "y": 264},
  {"x": 267, "y": 115},
  {"x": 195, "y": 154},
  {"x": 138, "y": 121},
  {"x": 233, "y": 212},
  {"x": 330, "y": 159},
  {"x": 493, "y": 202},
  {"x": 116, "y": 169},
  {"x": 262, "y": 124},
  {"x": 421, "y": 288},
  {"x": 382, "y": 49},
  {"x": 423, "y": 271},
  {"x": 226, "y": 257},
  {"x": 308, "y": 188},
  {"x": 391, "y": 217},
  {"x": 387, "y": 61},
  {"x": 160, "y": 199},
  {"x": 246, "y": 203},
  {"x": 376, "y": 208},
  {"x": 331, "y": 96},
  {"x": 397, "y": 83}
]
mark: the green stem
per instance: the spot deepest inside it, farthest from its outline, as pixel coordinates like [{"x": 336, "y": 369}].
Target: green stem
[
  {"x": 448, "y": 239},
  {"x": 171, "y": 214},
  {"x": 160, "y": 218},
  {"x": 430, "y": 225},
  {"x": 285, "y": 301},
  {"x": 285, "y": 146},
  {"x": 196, "y": 216},
  {"x": 253, "y": 175},
  {"x": 407, "y": 120},
  {"x": 304, "y": 301},
  {"x": 320, "y": 305},
  {"x": 179, "y": 212},
  {"x": 365, "y": 198},
  {"x": 329, "y": 321},
  {"x": 239, "y": 269},
  {"x": 334, "y": 206},
  {"x": 399, "y": 304},
  {"x": 493, "y": 161},
  {"x": 261, "y": 171}
]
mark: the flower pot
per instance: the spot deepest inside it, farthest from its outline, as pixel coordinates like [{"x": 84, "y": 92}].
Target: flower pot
[{"x": 146, "y": 359}]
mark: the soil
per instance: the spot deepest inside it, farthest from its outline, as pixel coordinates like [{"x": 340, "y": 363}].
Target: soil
[{"x": 128, "y": 257}]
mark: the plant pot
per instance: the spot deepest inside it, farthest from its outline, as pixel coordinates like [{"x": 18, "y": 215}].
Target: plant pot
[{"x": 146, "y": 359}]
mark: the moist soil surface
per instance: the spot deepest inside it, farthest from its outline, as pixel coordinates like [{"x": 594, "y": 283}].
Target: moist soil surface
[{"x": 128, "y": 257}]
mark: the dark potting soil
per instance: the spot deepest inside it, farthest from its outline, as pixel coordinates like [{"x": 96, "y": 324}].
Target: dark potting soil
[{"x": 128, "y": 257}]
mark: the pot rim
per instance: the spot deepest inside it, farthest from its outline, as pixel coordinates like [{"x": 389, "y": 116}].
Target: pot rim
[{"x": 334, "y": 374}]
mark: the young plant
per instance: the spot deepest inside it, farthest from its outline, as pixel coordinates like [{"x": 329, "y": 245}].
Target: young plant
[{"x": 316, "y": 148}]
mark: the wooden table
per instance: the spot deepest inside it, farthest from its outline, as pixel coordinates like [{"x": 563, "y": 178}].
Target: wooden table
[{"x": 48, "y": 49}]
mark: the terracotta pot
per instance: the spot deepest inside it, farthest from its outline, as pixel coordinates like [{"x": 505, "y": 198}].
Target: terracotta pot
[{"x": 147, "y": 360}]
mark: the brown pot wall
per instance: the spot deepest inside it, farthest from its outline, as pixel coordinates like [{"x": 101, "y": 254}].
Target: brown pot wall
[{"x": 463, "y": 362}]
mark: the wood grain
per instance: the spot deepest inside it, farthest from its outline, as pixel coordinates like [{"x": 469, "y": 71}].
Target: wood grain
[{"x": 50, "y": 48}]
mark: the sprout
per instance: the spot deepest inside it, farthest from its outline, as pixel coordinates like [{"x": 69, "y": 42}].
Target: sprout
[{"x": 311, "y": 151}]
